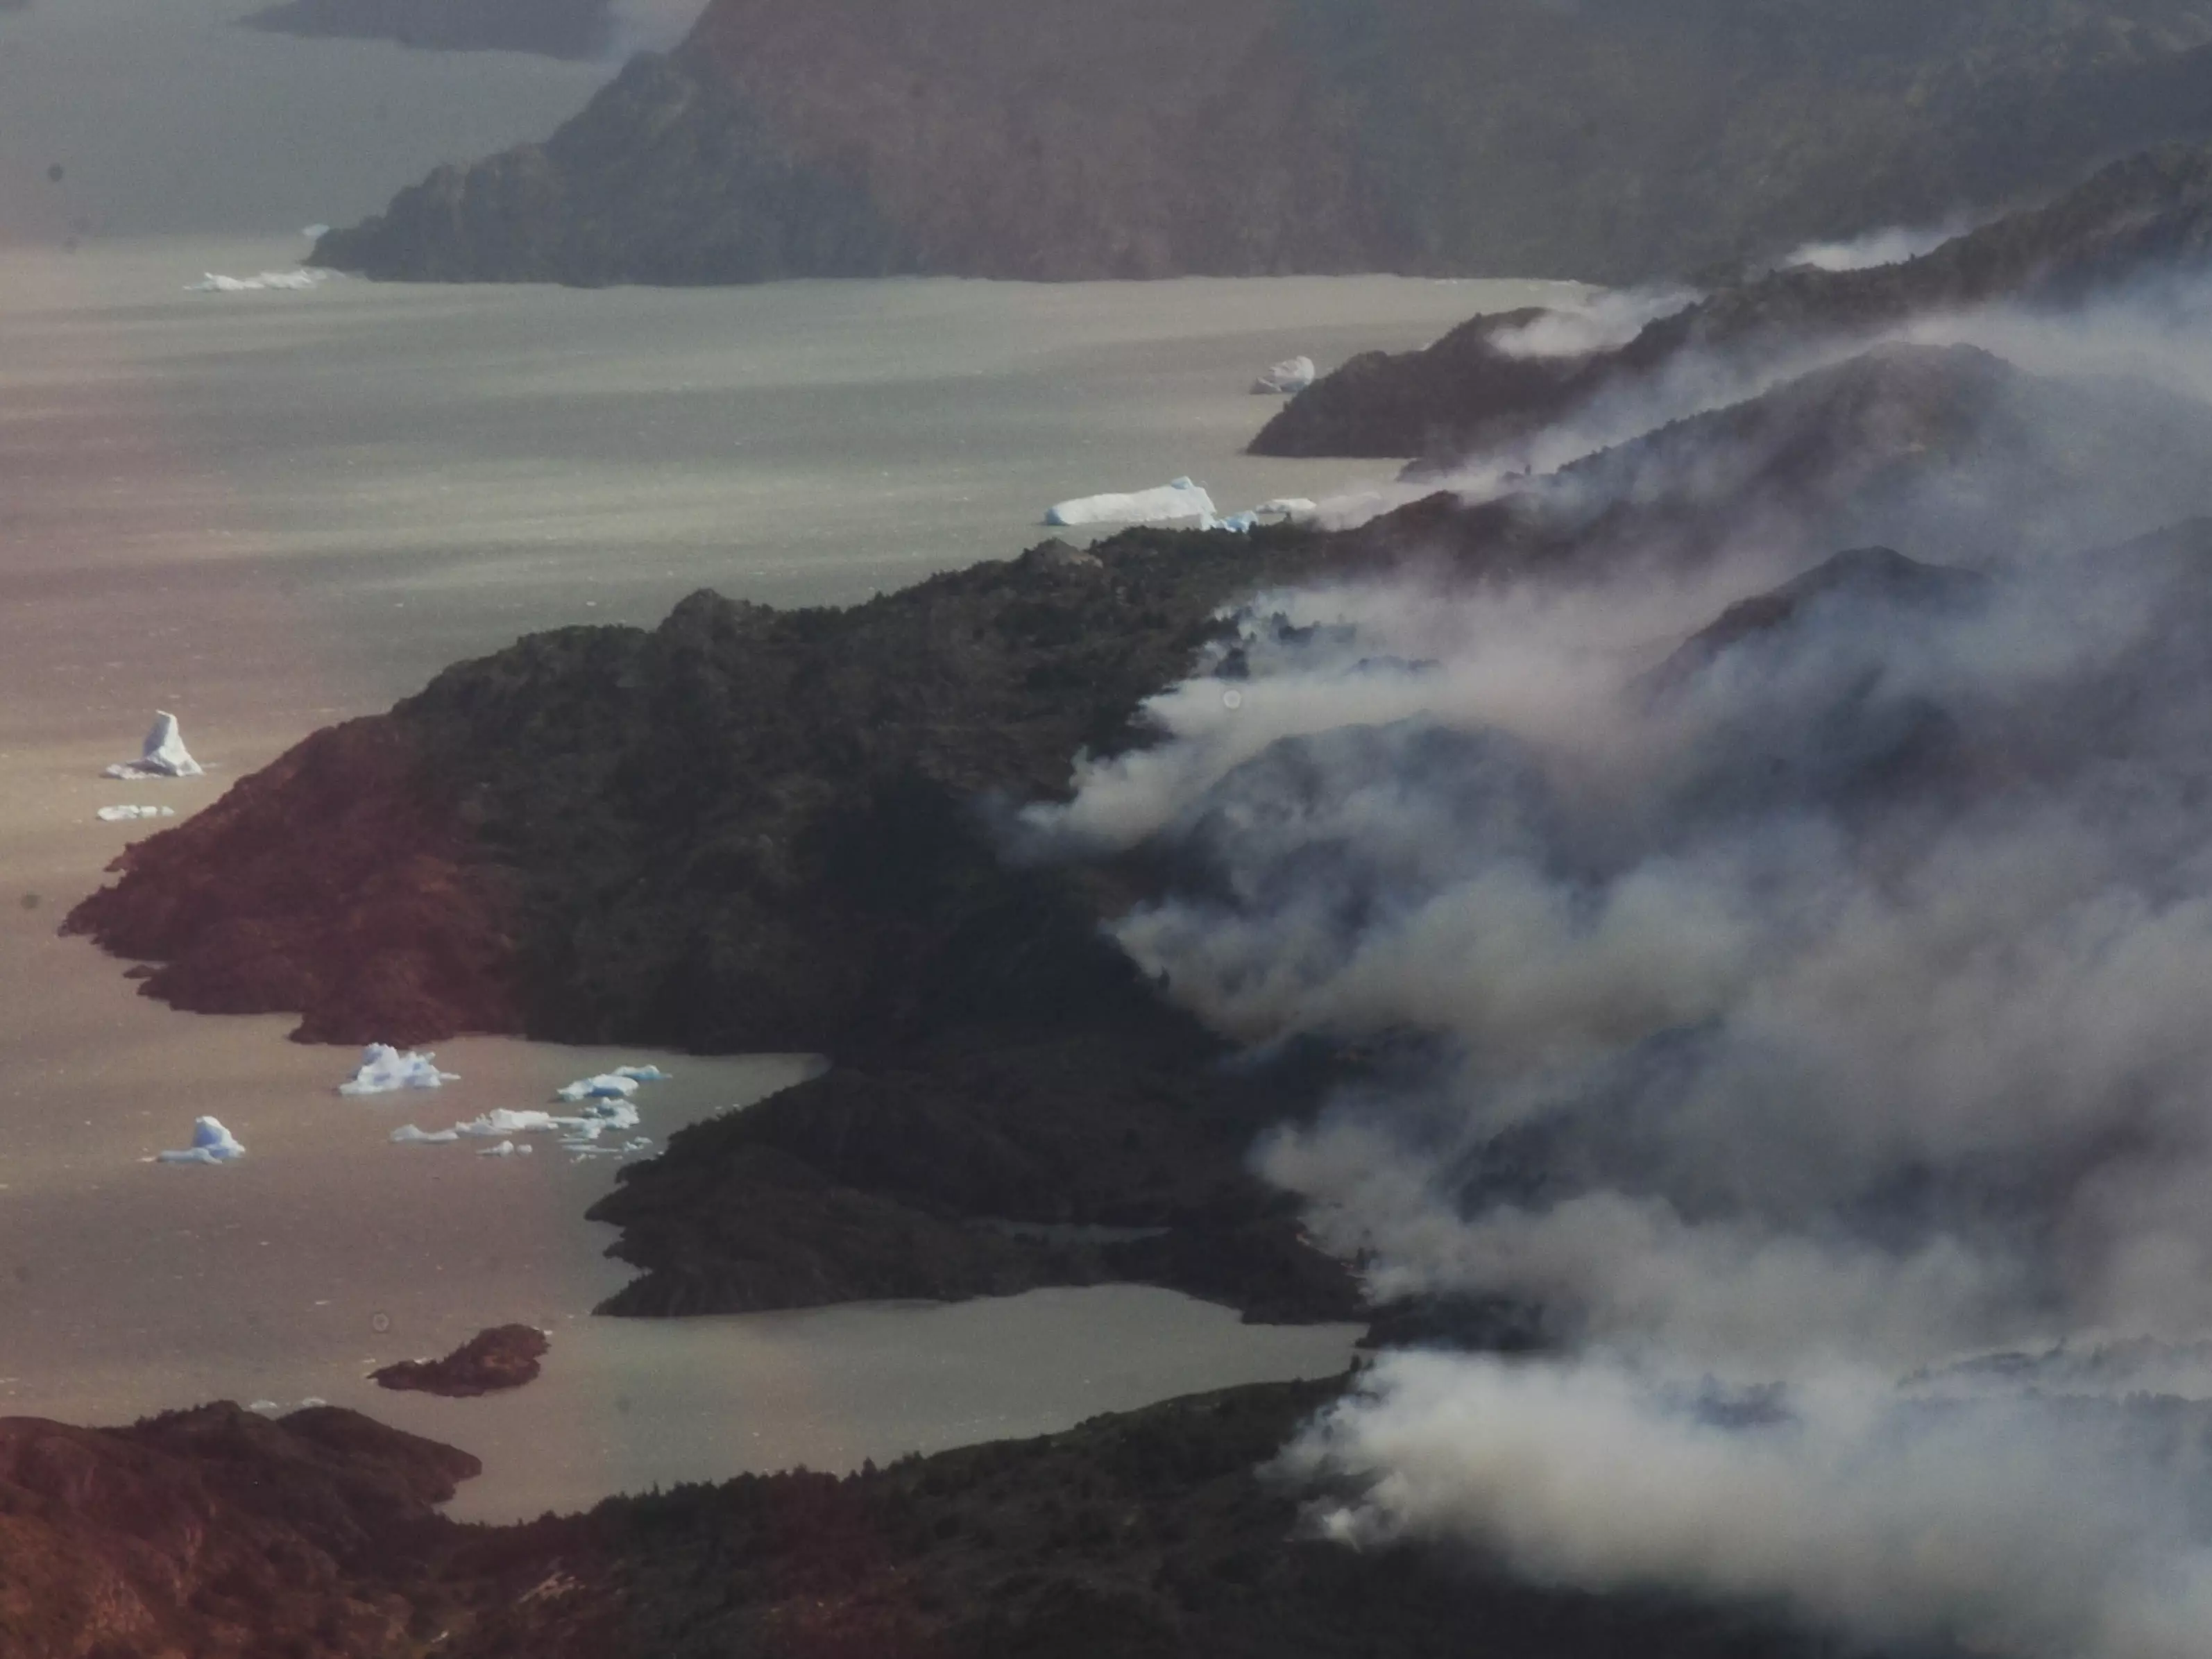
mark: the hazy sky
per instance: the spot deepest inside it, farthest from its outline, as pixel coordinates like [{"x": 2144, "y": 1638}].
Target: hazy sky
[{"x": 165, "y": 117}]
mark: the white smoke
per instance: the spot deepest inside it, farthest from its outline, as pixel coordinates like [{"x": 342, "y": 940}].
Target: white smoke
[
  {"x": 2021, "y": 1525},
  {"x": 1890, "y": 246},
  {"x": 1598, "y": 320},
  {"x": 1803, "y": 1010}
]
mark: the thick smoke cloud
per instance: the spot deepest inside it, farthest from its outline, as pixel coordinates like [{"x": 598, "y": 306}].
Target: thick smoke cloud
[{"x": 1793, "y": 1007}]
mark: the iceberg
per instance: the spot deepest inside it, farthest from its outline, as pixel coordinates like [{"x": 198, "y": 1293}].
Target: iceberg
[
  {"x": 164, "y": 755},
  {"x": 1293, "y": 375},
  {"x": 506, "y": 1149},
  {"x": 297, "y": 279},
  {"x": 384, "y": 1070},
  {"x": 1292, "y": 509},
  {"x": 642, "y": 1074},
  {"x": 608, "y": 1086},
  {"x": 126, "y": 814},
  {"x": 211, "y": 1144},
  {"x": 502, "y": 1122},
  {"x": 408, "y": 1135},
  {"x": 1181, "y": 500}
]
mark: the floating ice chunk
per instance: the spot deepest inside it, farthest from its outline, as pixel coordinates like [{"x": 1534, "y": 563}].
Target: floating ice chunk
[
  {"x": 384, "y": 1070},
  {"x": 503, "y": 1121},
  {"x": 1293, "y": 375},
  {"x": 607, "y": 1085},
  {"x": 298, "y": 278},
  {"x": 265, "y": 1408},
  {"x": 314, "y": 233},
  {"x": 1181, "y": 500},
  {"x": 408, "y": 1135},
  {"x": 165, "y": 756},
  {"x": 126, "y": 814},
  {"x": 642, "y": 1074},
  {"x": 507, "y": 1149},
  {"x": 211, "y": 1144}
]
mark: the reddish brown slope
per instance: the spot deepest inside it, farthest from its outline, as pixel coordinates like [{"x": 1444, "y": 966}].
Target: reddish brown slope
[{"x": 1150, "y": 138}]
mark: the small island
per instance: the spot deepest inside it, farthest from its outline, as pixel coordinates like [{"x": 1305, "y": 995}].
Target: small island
[{"x": 503, "y": 1356}]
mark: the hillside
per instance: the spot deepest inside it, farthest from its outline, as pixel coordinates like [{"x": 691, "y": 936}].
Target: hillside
[
  {"x": 1614, "y": 141},
  {"x": 1149, "y": 1535},
  {"x": 1479, "y": 387}
]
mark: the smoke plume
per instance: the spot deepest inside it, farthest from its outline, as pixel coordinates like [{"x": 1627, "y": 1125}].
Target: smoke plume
[{"x": 1796, "y": 964}]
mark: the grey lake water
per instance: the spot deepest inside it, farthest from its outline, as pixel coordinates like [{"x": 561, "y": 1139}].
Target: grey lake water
[{"x": 267, "y": 510}]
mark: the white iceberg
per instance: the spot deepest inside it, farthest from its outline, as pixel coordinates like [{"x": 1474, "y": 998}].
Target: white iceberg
[
  {"x": 211, "y": 1144},
  {"x": 126, "y": 814},
  {"x": 384, "y": 1070},
  {"x": 608, "y": 1086},
  {"x": 1293, "y": 509},
  {"x": 507, "y": 1149},
  {"x": 299, "y": 278},
  {"x": 408, "y": 1135},
  {"x": 1181, "y": 500},
  {"x": 164, "y": 755},
  {"x": 1293, "y": 375},
  {"x": 501, "y": 1121},
  {"x": 642, "y": 1074}
]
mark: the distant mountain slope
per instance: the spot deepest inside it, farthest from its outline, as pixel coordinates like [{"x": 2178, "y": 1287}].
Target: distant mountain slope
[
  {"x": 1476, "y": 387},
  {"x": 1612, "y": 140},
  {"x": 553, "y": 28}
]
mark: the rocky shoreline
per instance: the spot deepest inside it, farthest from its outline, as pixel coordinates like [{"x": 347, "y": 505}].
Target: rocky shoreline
[{"x": 501, "y": 1358}]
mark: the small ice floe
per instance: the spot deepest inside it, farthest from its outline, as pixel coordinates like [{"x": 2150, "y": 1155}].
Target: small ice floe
[
  {"x": 1291, "y": 375},
  {"x": 265, "y": 1407},
  {"x": 616, "y": 1084},
  {"x": 127, "y": 814},
  {"x": 501, "y": 1121},
  {"x": 408, "y": 1135},
  {"x": 1181, "y": 500},
  {"x": 1290, "y": 509},
  {"x": 384, "y": 1070},
  {"x": 297, "y": 279},
  {"x": 211, "y": 1144},
  {"x": 608, "y": 1086},
  {"x": 314, "y": 233},
  {"x": 507, "y": 1149},
  {"x": 164, "y": 755}
]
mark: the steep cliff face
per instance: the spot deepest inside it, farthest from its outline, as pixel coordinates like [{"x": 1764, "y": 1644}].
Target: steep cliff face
[{"x": 1610, "y": 141}]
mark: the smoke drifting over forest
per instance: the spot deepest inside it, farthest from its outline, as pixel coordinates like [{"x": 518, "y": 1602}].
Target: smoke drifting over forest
[{"x": 1790, "y": 959}]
